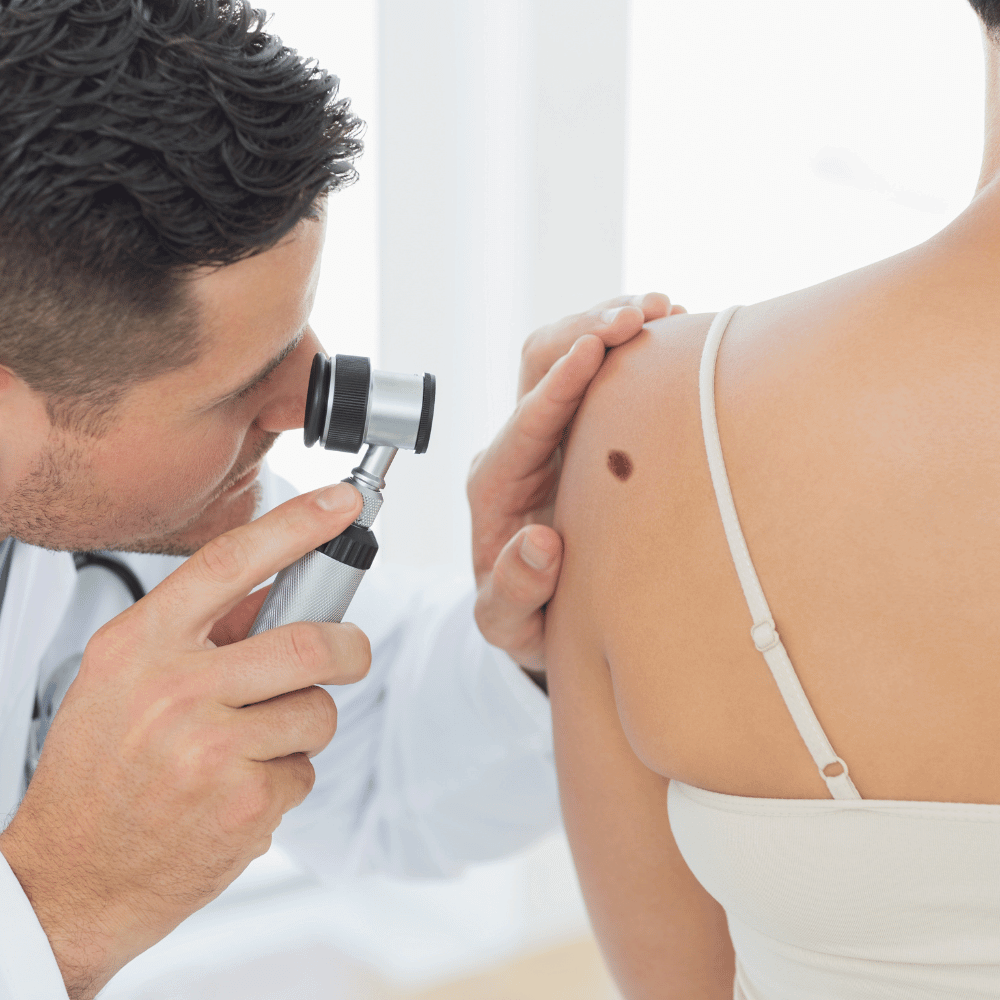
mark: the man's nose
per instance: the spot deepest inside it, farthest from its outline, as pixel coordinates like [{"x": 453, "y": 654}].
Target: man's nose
[{"x": 285, "y": 405}]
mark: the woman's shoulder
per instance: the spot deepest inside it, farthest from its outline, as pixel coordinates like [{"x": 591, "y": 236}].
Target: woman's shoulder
[
  {"x": 858, "y": 423},
  {"x": 901, "y": 352},
  {"x": 638, "y": 414},
  {"x": 879, "y": 383}
]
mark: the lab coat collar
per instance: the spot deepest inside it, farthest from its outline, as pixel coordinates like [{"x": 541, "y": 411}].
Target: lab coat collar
[{"x": 38, "y": 595}]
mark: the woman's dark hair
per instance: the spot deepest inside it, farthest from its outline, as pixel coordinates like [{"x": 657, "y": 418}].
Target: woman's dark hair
[
  {"x": 989, "y": 12},
  {"x": 140, "y": 139}
]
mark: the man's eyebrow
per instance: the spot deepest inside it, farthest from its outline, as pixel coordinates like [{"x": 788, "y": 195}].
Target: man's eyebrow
[{"x": 259, "y": 376}]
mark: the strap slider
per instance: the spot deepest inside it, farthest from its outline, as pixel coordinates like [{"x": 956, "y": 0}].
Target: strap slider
[{"x": 764, "y": 635}]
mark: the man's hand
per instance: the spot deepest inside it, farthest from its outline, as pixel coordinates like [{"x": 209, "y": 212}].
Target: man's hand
[
  {"x": 512, "y": 485},
  {"x": 172, "y": 758}
]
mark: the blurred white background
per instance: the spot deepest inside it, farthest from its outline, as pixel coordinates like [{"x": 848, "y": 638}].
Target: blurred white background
[
  {"x": 774, "y": 144},
  {"x": 526, "y": 159}
]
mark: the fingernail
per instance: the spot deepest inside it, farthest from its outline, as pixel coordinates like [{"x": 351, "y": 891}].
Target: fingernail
[
  {"x": 610, "y": 315},
  {"x": 340, "y": 497},
  {"x": 576, "y": 344},
  {"x": 535, "y": 556}
]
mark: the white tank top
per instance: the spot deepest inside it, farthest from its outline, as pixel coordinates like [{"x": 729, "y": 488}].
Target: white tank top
[{"x": 842, "y": 898}]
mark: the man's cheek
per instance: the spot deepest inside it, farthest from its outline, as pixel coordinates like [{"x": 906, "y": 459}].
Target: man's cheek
[{"x": 185, "y": 477}]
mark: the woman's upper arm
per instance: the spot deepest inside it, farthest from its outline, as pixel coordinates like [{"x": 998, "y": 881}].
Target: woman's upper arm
[{"x": 662, "y": 934}]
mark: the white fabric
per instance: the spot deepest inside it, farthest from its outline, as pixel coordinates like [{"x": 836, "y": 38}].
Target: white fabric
[
  {"x": 28, "y": 969},
  {"x": 763, "y": 631},
  {"x": 844, "y": 897},
  {"x": 443, "y": 754}
]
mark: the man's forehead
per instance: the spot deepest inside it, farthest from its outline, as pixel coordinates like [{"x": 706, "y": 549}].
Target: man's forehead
[
  {"x": 268, "y": 282},
  {"x": 251, "y": 310}
]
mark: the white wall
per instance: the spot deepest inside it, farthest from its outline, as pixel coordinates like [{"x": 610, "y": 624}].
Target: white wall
[
  {"x": 342, "y": 36},
  {"x": 501, "y": 177},
  {"x": 775, "y": 144}
]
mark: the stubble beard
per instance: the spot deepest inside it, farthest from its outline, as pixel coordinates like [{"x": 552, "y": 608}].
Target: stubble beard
[{"x": 57, "y": 506}]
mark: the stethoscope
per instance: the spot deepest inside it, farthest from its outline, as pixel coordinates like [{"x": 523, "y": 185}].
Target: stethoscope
[
  {"x": 83, "y": 559},
  {"x": 56, "y": 684}
]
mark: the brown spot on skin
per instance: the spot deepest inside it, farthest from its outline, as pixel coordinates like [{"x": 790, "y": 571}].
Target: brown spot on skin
[{"x": 620, "y": 465}]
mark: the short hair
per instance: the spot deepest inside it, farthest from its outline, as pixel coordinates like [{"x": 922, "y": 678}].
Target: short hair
[
  {"x": 989, "y": 13},
  {"x": 140, "y": 139}
]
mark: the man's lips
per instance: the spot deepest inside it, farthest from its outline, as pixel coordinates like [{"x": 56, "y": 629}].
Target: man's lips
[
  {"x": 260, "y": 453},
  {"x": 245, "y": 480}
]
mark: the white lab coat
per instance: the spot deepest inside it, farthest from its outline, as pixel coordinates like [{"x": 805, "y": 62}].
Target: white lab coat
[{"x": 442, "y": 757}]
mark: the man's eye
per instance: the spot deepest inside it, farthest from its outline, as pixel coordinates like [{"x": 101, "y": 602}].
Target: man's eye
[{"x": 251, "y": 389}]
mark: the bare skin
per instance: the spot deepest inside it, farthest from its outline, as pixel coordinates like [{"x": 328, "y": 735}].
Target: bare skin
[
  {"x": 858, "y": 423},
  {"x": 512, "y": 485}
]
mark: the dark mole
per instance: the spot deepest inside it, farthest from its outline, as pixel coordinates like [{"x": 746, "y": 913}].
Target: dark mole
[{"x": 620, "y": 464}]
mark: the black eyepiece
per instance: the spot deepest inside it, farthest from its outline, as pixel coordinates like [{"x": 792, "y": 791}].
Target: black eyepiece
[
  {"x": 316, "y": 397},
  {"x": 352, "y": 379},
  {"x": 426, "y": 414}
]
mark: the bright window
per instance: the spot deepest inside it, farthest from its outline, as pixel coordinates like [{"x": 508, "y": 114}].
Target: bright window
[{"x": 775, "y": 144}]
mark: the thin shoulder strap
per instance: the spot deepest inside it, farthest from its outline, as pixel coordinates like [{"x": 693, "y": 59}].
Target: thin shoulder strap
[{"x": 763, "y": 633}]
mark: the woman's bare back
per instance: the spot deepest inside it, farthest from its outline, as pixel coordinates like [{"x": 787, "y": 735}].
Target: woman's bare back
[{"x": 860, "y": 424}]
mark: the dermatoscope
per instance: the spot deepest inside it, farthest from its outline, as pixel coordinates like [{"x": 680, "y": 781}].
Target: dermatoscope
[{"x": 349, "y": 405}]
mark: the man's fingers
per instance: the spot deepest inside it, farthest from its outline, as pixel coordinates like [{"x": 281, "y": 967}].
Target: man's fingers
[
  {"x": 532, "y": 433},
  {"x": 287, "y": 658},
  {"x": 235, "y": 625},
  {"x": 614, "y": 321},
  {"x": 522, "y": 580},
  {"x": 558, "y": 364},
  {"x": 288, "y": 781},
  {"x": 298, "y": 722},
  {"x": 220, "y": 574}
]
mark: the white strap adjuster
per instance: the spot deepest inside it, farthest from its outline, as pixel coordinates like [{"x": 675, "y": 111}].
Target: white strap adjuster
[{"x": 764, "y": 635}]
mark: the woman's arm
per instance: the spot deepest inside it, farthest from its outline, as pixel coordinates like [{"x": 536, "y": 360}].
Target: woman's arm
[{"x": 662, "y": 934}]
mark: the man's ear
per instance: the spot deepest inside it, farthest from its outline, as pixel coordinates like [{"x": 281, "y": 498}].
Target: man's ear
[
  {"x": 23, "y": 410},
  {"x": 17, "y": 398},
  {"x": 14, "y": 391}
]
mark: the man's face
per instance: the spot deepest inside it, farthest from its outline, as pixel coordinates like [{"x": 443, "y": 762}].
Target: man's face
[{"x": 180, "y": 465}]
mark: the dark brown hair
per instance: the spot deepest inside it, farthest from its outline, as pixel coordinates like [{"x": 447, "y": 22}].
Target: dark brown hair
[
  {"x": 989, "y": 13},
  {"x": 140, "y": 139}
]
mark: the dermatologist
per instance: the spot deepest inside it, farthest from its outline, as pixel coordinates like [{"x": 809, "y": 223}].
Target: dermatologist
[{"x": 164, "y": 169}]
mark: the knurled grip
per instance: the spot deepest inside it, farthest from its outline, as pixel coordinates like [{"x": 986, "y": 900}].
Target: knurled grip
[
  {"x": 372, "y": 500},
  {"x": 314, "y": 588},
  {"x": 317, "y": 588}
]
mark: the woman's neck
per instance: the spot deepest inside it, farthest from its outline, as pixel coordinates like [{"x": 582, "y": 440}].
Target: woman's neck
[{"x": 991, "y": 138}]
